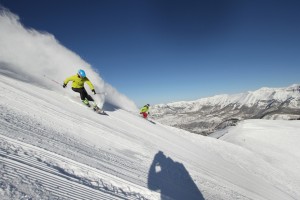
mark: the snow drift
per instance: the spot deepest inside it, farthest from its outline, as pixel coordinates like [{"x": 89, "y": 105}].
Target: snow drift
[{"x": 38, "y": 58}]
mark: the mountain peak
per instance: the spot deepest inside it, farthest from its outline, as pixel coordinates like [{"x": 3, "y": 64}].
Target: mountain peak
[{"x": 208, "y": 114}]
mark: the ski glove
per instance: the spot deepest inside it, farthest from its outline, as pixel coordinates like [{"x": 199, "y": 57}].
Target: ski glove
[
  {"x": 94, "y": 91},
  {"x": 64, "y": 85}
]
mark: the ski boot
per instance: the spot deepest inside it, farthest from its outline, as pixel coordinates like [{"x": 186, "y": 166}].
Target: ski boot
[
  {"x": 98, "y": 110},
  {"x": 86, "y": 102},
  {"x": 95, "y": 107}
]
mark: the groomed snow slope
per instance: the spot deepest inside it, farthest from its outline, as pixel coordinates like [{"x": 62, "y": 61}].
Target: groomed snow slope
[
  {"x": 277, "y": 142},
  {"x": 52, "y": 147}
]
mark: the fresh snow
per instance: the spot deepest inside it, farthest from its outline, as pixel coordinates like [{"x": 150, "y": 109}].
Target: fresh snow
[
  {"x": 276, "y": 142},
  {"x": 52, "y": 147}
]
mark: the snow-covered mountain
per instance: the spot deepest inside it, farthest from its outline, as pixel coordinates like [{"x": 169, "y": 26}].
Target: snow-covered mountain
[{"x": 206, "y": 115}]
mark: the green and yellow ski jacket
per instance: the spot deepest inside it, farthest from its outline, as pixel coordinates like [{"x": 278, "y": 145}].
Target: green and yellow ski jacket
[
  {"x": 79, "y": 82},
  {"x": 144, "y": 109}
]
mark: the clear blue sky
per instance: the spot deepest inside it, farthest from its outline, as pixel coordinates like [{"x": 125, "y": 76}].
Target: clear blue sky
[{"x": 158, "y": 51}]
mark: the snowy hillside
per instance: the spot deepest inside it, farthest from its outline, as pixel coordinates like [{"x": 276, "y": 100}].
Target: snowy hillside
[
  {"x": 209, "y": 114},
  {"x": 37, "y": 57},
  {"x": 53, "y": 147}
]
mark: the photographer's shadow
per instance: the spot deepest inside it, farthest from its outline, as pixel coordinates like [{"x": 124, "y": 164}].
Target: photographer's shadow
[{"x": 172, "y": 179}]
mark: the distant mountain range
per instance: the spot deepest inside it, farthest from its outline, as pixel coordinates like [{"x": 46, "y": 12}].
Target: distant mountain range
[{"x": 204, "y": 116}]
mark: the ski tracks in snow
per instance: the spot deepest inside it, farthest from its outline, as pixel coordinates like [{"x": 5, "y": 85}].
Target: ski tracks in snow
[
  {"x": 51, "y": 148},
  {"x": 41, "y": 158},
  {"x": 51, "y": 176}
]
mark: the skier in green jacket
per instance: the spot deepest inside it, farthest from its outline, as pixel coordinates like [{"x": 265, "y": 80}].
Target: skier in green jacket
[
  {"x": 145, "y": 111},
  {"x": 78, "y": 86}
]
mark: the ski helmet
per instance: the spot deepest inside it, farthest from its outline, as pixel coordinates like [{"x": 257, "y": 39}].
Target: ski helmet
[
  {"x": 148, "y": 105},
  {"x": 81, "y": 73}
]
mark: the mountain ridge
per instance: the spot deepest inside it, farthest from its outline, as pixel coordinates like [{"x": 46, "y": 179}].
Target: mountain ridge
[{"x": 205, "y": 115}]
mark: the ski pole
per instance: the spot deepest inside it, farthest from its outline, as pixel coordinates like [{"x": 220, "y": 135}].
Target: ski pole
[
  {"x": 52, "y": 80},
  {"x": 105, "y": 93}
]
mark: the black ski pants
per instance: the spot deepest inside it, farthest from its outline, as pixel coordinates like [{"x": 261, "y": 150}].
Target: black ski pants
[{"x": 83, "y": 94}]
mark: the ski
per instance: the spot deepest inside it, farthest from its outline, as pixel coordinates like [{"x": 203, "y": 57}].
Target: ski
[
  {"x": 149, "y": 120},
  {"x": 96, "y": 109},
  {"x": 99, "y": 111}
]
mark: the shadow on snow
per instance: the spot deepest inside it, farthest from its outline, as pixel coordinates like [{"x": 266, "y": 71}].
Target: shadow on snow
[{"x": 172, "y": 179}]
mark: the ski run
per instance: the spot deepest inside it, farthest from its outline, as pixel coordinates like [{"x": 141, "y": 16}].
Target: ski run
[{"x": 52, "y": 148}]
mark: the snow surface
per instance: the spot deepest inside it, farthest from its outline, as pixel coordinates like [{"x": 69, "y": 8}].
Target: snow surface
[
  {"x": 53, "y": 147},
  {"x": 277, "y": 142}
]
